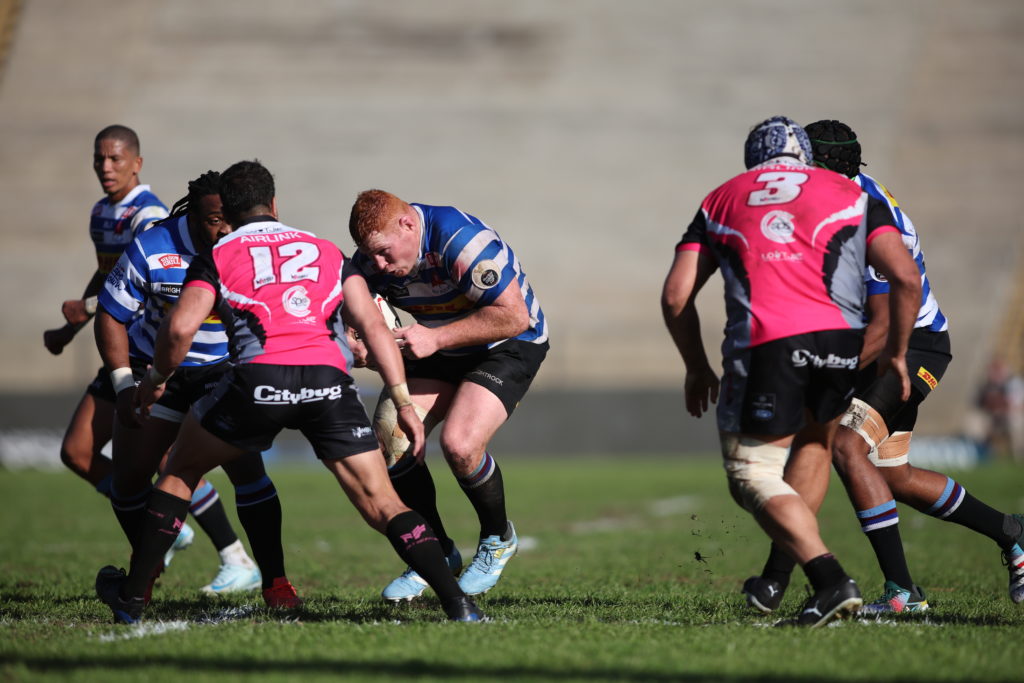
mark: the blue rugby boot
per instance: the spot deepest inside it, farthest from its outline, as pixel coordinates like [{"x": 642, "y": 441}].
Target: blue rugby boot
[
  {"x": 492, "y": 555},
  {"x": 411, "y": 585}
]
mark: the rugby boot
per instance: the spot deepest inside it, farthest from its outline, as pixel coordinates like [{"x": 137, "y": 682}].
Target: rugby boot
[
  {"x": 1014, "y": 561},
  {"x": 492, "y": 555},
  {"x": 835, "y": 602},
  {"x": 411, "y": 585},
  {"x": 108, "y": 589},
  {"x": 184, "y": 540},
  {"x": 463, "y": 609},
  {"x": 897, "y": 600},
  {"x": 234, "y": 578},
  {"x": 282, "y": 595},
  {"x": 763, "y": 594}
]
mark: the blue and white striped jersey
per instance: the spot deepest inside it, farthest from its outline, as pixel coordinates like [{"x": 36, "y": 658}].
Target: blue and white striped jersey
[
  {"x": 463, "y": 265},
  {"x": 149, "y": 276},
  {"x": 113, "y": 226},
  {"x": 929, "y": 316}
]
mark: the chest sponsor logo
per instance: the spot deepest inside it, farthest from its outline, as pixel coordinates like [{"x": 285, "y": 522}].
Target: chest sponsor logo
[
  {"x": 171, "y": 261},
  {"x": 778, "y": 227},
  {"x": 265, "y": 394},
  {"x": 780, "y": 256},
  {"x": 296, "y": 301},
  {"x": 802, "y": 358},
  {"x": 928, "y": 378}
]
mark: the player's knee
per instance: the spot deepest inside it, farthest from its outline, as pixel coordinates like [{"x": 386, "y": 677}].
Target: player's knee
[
  {"x": 393, "y": 442},
  {"x": 866, "y": 431},
  {"x": 893, "y": 453},
  {"x": 754, "y": 469},
  {"x": 463, "y": 456}
]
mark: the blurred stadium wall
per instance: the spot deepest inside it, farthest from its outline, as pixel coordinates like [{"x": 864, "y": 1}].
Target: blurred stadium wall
[{"x": 585, "y": 131}]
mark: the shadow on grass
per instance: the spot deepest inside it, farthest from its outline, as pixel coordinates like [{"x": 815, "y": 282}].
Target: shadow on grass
[{"x": 401, "y": 670}]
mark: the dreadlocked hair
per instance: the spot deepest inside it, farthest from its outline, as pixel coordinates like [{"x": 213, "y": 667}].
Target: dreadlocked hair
[
  {"x": 206, "y": 184},
  {"x": 835, "y": 147}
]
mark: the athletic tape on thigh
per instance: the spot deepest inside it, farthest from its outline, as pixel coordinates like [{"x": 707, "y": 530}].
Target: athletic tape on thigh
[
  {"x": 865, "y": 420},
  {"x": 892, "y": 452},
  {"x": 755, "y": 471},
  {"x": 393, "y": 442}
]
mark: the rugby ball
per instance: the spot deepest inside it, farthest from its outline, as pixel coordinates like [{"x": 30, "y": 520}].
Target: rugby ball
[{"x": 388, "y": 311}]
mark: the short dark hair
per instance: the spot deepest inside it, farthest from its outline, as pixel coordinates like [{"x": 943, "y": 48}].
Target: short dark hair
[
  {"x": 204, "y": 185},
  {"x": 122, "y": 133},
  {"x": 245, "y": 186},
  {"x": 835, "y": 147}
]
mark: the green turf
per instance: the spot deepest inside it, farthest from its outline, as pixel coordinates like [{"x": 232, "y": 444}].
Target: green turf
[{"x": 612, "y": 591}]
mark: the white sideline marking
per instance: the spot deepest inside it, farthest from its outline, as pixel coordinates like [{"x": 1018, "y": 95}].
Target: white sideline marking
[
  {"x": 145, "y": 629},
  {"x": 666, "y": 507}
]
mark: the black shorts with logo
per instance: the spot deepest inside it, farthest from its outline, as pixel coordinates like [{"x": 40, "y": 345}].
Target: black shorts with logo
[
  {"x": 507, "y": 370},
  {"x": 186, "y": 386},
  {"x": 767, "y": 389},
  {"x": 254, "y": 402},
  {"x": 928, "y": 356}
]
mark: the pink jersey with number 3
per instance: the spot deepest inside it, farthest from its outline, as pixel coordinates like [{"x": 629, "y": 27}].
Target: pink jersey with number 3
[
  {"x": 279, "y": 294},
  {"x": 791, "y": 241}
]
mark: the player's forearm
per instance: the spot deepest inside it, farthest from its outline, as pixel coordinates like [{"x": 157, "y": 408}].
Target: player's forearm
[
  {"x": 111, "y": 341},
  {"x": 385, "y": 353},
  {"x": 172, "y": 345},
  {"x": 684, "y": 327},
  {"x": 904, "y": 302},
  {"x": 484, "y": 326}
]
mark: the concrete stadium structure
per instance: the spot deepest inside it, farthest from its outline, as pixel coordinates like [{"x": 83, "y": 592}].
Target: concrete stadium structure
[{"x": 585, "y": 131}]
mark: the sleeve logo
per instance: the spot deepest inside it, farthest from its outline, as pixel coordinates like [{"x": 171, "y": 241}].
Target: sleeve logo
[{"x": 486, "y": 274}]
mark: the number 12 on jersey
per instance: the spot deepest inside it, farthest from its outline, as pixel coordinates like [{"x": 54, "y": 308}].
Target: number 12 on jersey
[{"x": 288, "y": 262}]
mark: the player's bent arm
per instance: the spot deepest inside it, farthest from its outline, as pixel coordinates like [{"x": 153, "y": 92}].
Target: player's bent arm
[
  {"x": 77, "y": 312},
  {"x": 503, "y": 318},
  {"x": 887, "y": 254},
  {"x": 179, "y": 327},
  {"x": 362, "y": 313},
  {"x": 689, "y": 273},
  {"x": 877, "y": 329}
]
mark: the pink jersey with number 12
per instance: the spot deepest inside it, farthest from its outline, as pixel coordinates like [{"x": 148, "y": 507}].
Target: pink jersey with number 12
[{"x": 279, "y": 293}]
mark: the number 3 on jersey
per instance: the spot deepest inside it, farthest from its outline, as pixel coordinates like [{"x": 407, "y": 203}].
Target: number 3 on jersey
[
  {"x": 288, "y": 262},
  {"x": 780, "y": 187}
]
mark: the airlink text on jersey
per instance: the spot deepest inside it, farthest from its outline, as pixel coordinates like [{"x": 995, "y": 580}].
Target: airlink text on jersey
[
  {"x": 268, "y": 395},
  {"x": 270, "y": 239}
]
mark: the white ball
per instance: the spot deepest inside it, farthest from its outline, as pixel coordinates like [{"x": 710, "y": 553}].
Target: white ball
[{"x": 388, "y": 311}]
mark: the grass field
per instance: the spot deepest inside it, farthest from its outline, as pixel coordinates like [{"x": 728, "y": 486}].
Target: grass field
[{"x": 608, "y": 587}]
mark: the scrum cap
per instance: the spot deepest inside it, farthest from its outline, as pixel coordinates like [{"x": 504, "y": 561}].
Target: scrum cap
[
  {"x": 835, "y": 147},
  {"x": 776, "y": 137}
]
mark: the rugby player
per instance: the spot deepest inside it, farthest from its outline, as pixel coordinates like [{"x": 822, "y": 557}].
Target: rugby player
[
  {"x": 880, "y": 425},
  {"x": 791, "y": 240},
  {"x": 141, "y": 288},
  {"x": 127, "y": 209},
  {"x": 282, "y": 294},
  {"x": 477, "y": 340}
]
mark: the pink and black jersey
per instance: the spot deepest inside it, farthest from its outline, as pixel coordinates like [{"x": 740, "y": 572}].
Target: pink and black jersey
[
  {"x": 279, "y": 294},
  {"x": 791, "y": 241}
]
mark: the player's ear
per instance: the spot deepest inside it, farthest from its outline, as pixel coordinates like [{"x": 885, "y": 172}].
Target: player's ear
[{"x": 273, "y": 208}]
